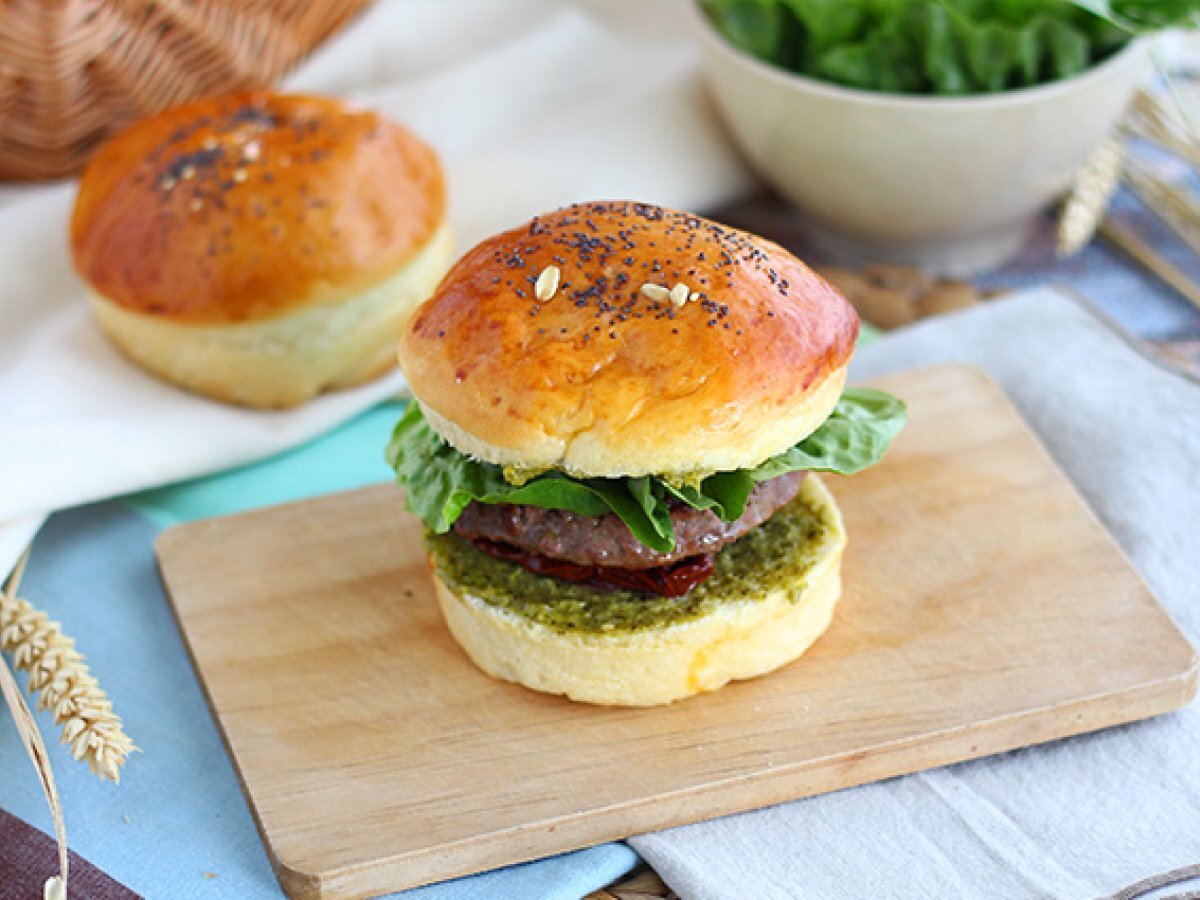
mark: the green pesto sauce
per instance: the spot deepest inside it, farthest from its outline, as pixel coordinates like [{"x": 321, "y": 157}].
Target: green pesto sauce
[{"x": 771, "y": 557}]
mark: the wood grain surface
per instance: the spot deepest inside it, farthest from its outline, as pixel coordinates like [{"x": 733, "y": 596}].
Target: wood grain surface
[{"x": 985, "y": 608}]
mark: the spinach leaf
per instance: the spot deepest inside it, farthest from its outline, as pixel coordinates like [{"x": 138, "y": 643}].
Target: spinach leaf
[
  {"x": 439, "y": 481},
  {"x": 941, "y": 46}
]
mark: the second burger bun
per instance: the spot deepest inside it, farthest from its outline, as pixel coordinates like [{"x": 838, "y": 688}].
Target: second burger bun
[
  {"x": 261, "y": 248},
  {"x": 670, "y": 345}
]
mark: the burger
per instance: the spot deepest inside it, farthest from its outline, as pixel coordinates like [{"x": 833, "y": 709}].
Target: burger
[{"x": 618, "y": 413}]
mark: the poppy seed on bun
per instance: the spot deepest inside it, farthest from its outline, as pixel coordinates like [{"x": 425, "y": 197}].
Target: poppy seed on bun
[
  {"x": 614, "y": 338},
  {"x": 261, "y": 248}
]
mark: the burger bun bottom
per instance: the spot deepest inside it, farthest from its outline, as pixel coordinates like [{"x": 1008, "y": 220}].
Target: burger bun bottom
[
  {"x": 283, "y": 361},
  {"x": 741, "y": 638}
]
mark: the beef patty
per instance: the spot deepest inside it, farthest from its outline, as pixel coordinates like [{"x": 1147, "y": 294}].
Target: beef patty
[{"x": 605, "y": 541}]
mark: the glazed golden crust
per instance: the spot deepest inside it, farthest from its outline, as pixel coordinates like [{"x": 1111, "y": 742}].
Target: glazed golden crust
[
  {"x": 603, "y": 380},
  {"x": 245, "y": 208}
]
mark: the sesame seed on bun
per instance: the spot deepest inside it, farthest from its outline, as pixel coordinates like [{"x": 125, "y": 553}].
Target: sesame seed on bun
[{"x": 614, "y": 338}]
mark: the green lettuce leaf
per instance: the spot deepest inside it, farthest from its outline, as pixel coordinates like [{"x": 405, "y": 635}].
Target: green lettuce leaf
[
  {"x": 755, "y": 25},
  {"x": 1141, "y": 16},
  {"x": 855, "y": 436},
  {"x": 940, "y": 46},
  {"x": 439, "y": 481}
]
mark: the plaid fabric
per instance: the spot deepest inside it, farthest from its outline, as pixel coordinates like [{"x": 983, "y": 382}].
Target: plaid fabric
[{"x": 29, "y": 857}]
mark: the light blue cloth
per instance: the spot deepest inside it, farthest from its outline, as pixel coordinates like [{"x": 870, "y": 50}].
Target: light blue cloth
[{"x": 178, "y": 825}]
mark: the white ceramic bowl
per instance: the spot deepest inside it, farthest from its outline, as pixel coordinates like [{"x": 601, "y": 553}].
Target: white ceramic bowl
[{"x": 949, "y": 184}]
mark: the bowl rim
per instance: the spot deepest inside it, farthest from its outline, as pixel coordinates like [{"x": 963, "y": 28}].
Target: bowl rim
[{"x": 1011, "y": 97}]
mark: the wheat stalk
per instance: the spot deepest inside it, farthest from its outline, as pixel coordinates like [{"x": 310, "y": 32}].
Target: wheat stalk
[
  {"x": 65, "y": 686},
  {"x": 1148, "y": 120},
  {"x": 56, "y": 886},
  {"x": 1174, "y": 206},
  {"x": 1126, "y": 240},
  {"x": 1087, "y": 204}
]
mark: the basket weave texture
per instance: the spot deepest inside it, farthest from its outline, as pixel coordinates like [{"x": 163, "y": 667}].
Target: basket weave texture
[{"x": 73, "y": 72}]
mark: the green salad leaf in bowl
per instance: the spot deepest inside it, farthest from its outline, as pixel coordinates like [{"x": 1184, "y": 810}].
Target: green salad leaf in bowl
[{"x": 949, "y": 47}]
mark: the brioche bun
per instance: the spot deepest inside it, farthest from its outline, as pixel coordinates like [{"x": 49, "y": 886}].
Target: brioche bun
[
  {"x": 741, "y": 637},
  {"x": 609, "y": 378},
  {"x": 261, "y": 248}
]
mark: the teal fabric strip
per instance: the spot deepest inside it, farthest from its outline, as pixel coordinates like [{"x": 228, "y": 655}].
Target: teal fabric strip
[{"x": 348, "y": 457}]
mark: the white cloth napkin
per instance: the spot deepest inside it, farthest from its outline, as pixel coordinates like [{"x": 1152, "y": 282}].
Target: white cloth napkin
[
  {"x": 531, "y": 103},
  {"x": 1077, "y": 818}
]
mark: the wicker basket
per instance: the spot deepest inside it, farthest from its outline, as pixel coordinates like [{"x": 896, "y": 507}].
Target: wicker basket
[{"x": 74, "y": 71}]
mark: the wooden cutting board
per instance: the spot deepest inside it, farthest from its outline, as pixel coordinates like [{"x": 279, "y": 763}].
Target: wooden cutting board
[{"x": 985, "y": 608}]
